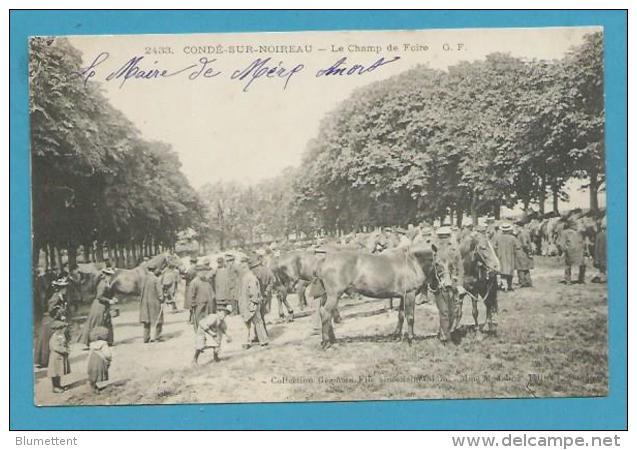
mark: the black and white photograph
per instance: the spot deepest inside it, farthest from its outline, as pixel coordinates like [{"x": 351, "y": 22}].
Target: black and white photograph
[{"x": 318, "y": 216}]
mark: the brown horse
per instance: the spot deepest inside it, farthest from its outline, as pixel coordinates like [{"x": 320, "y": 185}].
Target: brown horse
[
  {"x": 401, "y": 273},
  {"x": 128, "y": 282},
  {"x": 481, "y": 266}
]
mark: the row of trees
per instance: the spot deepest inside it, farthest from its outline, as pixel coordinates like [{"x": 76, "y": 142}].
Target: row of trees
[
  {"x": 428, "y": 144},
  {"x": 96, "y": 184}
]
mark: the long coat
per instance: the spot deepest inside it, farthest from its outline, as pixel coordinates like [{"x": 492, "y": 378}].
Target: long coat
[
  {"x": 504, "y": 245},
  {"x": 202, "y": 298},
  {"x": 151, "y": 300},
  {"x": 573, "y": 247},
  {"x": 56, "y": 309},
  {"x": 99, "y": 315},
  {"x": 524, "y": 251},
  {"x": 601, "y": 258},
  {"x": 224, "y": 284},
  {"x": 59, "y": 355},
  {"x": 249, "y": 295}
]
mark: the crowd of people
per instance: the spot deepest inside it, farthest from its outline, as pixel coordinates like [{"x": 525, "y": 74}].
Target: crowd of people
[{"x": 246, "y": 287}]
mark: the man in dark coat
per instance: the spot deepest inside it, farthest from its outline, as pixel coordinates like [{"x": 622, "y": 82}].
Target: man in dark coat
[
  {"x": 524, "y": 257},
  {"x": 572, "y": 244},
  {"x": 249, "y": 297},
  {"x": 222, "y": 281},
  {"x": 202, "y": 296},
  {"x": 234, "y": 276},
  {"x": 600, "y": 257},
  {"x": 504, "y": 245},
  {"x": 151, "y": 311}
]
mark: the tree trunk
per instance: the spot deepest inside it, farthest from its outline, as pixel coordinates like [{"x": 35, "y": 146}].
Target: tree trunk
[
  {"x": 59, "y": 257},
  {"x": 556, "y": 200},
  {"x": 593, "y": 187},
  {"x": 474, "y": 209},
  {"x": 71, "y": 250},
  {"x": 542, "y": 196},
  {"x": 459, "y": 217},
  {"x": 87, "y": 252},
  {"x": 496, "y": 210}
]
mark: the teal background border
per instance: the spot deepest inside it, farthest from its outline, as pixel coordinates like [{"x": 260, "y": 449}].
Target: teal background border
[{"x": 519, "y": 414}]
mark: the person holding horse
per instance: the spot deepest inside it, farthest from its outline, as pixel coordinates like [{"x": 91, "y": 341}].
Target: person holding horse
[{"x": 448, "y": 282}]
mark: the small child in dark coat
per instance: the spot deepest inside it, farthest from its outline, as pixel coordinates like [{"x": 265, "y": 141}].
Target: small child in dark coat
[{"x": 99, "y": 359}]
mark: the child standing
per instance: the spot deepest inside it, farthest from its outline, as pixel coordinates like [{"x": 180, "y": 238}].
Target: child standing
[
  {"x": 99, "y": 359},
  {"x": 58, "y": 365}
]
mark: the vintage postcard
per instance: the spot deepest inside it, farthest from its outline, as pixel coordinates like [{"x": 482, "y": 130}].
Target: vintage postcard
[{"x": 318, "y": 216}]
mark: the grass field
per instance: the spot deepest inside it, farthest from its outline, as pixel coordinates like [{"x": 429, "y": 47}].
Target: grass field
[{"x": 552, "y": 342}]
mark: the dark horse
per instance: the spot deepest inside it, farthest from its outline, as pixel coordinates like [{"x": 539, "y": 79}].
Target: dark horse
[
  {"x": 400, "y": 273},
  {"x": 295, "y": 270},
  {"x": 481, "y": 266}
]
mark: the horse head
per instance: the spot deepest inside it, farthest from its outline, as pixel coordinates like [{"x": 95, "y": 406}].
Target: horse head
[{"x": 484, "y": 254}]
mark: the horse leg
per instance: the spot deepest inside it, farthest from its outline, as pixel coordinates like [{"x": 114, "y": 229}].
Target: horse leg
[
  {"x": 474, "y": 312},
  {"x": 326, "y": 311},
  {"x": 401, "y": 318},
  {"x": 410, "y": 310}
]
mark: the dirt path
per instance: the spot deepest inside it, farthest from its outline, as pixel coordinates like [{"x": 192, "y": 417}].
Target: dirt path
[{"x": 552, "y": 342}]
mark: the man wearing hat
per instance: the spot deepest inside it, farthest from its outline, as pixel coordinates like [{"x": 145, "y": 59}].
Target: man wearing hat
[
  {"x": 191, "y": 274},
  {"x": 504, "y": 245},
  {"x": 222, "y": 284},
  {"x": 573, "y": 248},
  {"x": 213, "y": 326},
  {"x": 524, "y": 257},
  {"x": 450, "y": 292},
  {"x": 266, "y": 282},
  {"x": 249, "y": 296},
  {"x": 202, "y": 296},
  {"x": 151, "y": 307}
]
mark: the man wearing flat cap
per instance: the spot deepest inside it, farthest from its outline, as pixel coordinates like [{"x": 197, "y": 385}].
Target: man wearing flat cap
[{"x": 249, "y": 296}]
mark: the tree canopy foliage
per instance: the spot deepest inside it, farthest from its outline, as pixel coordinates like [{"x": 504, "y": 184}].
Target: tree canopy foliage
[
  {"x": 95, "y": 181},
  {"x": 469, "y": 140}
]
